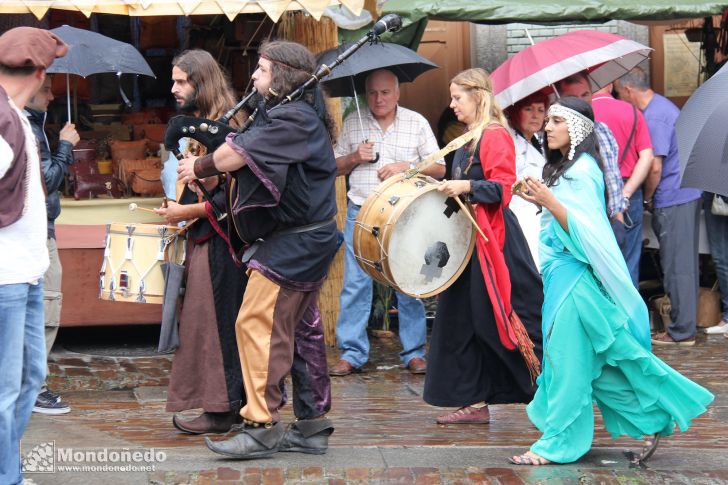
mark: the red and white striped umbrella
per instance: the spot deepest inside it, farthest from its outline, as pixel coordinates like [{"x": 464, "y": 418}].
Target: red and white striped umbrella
[{"x": 605, "y": 56}]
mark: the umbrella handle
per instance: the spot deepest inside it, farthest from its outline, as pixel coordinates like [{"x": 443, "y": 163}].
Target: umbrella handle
[{"x": 376, "y": 159}]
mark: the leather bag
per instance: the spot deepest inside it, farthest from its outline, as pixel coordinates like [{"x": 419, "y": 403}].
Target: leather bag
[
  {"x": 133, "y": 150},
  {"x": 146, "y": 181},
  {"x": 87, "y": 185}
]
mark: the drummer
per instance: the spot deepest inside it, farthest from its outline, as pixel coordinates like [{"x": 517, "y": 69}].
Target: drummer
[
  {"x": 388, "y": 140},
  {"x": 206, "y": 372}
]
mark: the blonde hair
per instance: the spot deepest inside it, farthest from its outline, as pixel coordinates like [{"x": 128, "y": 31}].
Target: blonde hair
[{"x": 476, "y": 82}]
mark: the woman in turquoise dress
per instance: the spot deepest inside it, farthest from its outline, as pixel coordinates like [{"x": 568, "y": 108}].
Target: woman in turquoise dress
[{"x": 596, "y": 335}]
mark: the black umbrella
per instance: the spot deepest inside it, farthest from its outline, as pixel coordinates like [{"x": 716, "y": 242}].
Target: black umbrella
[
  {"x": 92, "y": 53},
  {"x": 349, "y": 77},
  {"x": 403, "y": 62},
  {"x": 702, "y": 136}
]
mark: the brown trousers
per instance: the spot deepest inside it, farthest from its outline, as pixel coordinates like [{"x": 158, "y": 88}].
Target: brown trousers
[{"x": 265, "y": 331}]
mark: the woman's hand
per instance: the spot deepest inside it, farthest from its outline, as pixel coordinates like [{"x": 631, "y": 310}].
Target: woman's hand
[
  {"x": 534, "y": 191},
  {"x": 453, "y": 188}
]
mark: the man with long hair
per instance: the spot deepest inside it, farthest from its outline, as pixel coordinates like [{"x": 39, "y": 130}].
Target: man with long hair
[
  {"x": 205, "y": 371},
  {"x": 283, "y": 169}
]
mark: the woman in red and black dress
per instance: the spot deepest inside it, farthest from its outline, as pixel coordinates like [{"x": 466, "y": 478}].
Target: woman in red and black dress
[{"x": 474, "y": 357}]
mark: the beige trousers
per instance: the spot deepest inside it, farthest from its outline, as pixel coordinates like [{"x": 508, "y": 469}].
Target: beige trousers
[{"x": 52, "y": 297}]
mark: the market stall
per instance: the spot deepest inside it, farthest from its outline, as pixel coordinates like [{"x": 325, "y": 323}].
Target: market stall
[{"x": 81, "y": 238}]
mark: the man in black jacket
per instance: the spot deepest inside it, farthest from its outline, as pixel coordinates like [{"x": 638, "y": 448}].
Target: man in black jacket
[{"x": 54, "y": 167}]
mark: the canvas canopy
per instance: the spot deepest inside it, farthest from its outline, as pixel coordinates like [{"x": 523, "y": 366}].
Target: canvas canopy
[
  {"x": 230, "y": 8},
  {"x": 555, "y": 11}
]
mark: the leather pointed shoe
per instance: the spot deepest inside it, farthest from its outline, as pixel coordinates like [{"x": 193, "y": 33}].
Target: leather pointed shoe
[
  {"x": 207, "y": 423},
  {"x": 307, "y": 436},
  {"x": 417, "y": 365},
  {"x": 249, "y": 443},
  {"x": 343, "y": 368}
]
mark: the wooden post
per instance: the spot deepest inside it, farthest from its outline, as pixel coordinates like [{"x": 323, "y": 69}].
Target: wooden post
[{"x": 319, "y": 36}]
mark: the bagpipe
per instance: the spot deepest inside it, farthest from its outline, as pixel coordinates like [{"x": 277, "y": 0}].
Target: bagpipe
[{"x": 212, "y": 133}]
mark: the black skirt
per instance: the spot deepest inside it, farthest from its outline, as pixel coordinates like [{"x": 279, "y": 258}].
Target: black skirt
[{"x": 467, "y": 362}]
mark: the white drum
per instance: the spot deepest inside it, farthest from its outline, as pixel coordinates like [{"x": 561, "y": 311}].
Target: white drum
[
  {"x": 132, "y": 266},
  {"x": 411, "y": 237}
]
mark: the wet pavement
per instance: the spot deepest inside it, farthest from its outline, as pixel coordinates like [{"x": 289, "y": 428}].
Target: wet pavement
[{"x": 385, "y": 432}]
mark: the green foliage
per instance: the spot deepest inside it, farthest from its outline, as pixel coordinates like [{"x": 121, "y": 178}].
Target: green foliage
[{"x": 381, "y": 302}]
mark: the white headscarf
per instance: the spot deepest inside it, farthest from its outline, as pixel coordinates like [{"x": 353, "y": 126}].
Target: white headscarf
[{"x": 579, "y": 126}]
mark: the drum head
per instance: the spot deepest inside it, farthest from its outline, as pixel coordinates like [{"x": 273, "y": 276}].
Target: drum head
[{"x": 430, "y": 245}]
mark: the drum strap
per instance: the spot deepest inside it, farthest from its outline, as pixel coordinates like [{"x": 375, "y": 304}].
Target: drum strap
[{"x": 434, "y": 157}]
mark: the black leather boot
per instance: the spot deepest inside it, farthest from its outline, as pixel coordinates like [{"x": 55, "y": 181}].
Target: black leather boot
[
  {"x": 250, "y": 442},
  {"x": 307, "y": 436},
  {"x": 207, "y": 423}
]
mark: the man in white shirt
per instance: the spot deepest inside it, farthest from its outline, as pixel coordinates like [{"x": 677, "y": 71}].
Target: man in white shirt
[
  {"x": 25, "y": 53},
  {"x": 401, "y": 138}
]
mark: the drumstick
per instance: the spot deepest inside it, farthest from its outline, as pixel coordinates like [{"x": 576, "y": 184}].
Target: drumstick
[
  {"x": 134, "y": 207},
  {"x": 469, "y": 216}
]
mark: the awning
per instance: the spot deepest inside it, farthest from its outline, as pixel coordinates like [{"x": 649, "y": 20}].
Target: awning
[
  {"x": 558, "y": 11},
  {"x": 230, "y": 8}
]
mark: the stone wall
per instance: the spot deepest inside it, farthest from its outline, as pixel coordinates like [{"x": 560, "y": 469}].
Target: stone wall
[{"x": 492, "y": 44}]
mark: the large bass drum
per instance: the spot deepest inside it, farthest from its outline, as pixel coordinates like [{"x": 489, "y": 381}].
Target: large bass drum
[{"x": 412, "y": 237}]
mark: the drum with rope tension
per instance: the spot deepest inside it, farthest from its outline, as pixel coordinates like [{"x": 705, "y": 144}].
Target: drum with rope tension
[
  {"x": 133, "y": 256},
  {"x": 412, "y": 237}
]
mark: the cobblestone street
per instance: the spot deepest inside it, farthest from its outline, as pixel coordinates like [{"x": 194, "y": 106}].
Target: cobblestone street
[{"x": 385, "y": 432}]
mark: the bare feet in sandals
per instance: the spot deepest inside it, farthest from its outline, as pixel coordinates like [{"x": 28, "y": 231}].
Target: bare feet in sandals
[{"x": 529, "y": 458}]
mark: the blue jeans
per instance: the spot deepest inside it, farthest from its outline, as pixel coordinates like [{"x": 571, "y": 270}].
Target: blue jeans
[
  {"x": 633, "y": 238},
  {"x": 717, "y": 228},
  {"x": 23, "y": 364},
  {"x": 356, "y": 304}
]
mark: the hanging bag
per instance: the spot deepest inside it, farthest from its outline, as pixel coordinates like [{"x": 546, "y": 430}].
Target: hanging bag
[{"x": 719, "y": 206}]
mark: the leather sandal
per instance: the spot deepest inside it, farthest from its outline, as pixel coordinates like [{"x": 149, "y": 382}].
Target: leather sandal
[
  {"x": 649, "y": 447},
  {"x": 466, "y": 415}
]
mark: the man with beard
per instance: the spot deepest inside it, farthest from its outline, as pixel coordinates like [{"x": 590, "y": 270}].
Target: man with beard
[
  {"x": 206, "y": 364},
  {"x": 205, "y": 371},
  {"x": 284, "y": 200}
]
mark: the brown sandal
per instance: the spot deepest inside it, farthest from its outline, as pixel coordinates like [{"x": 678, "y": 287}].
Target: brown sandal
[
  {"x": 466, "y": 415},
  {"x": 530, "y": 459},
  {"x": 649, "y": 447}
]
